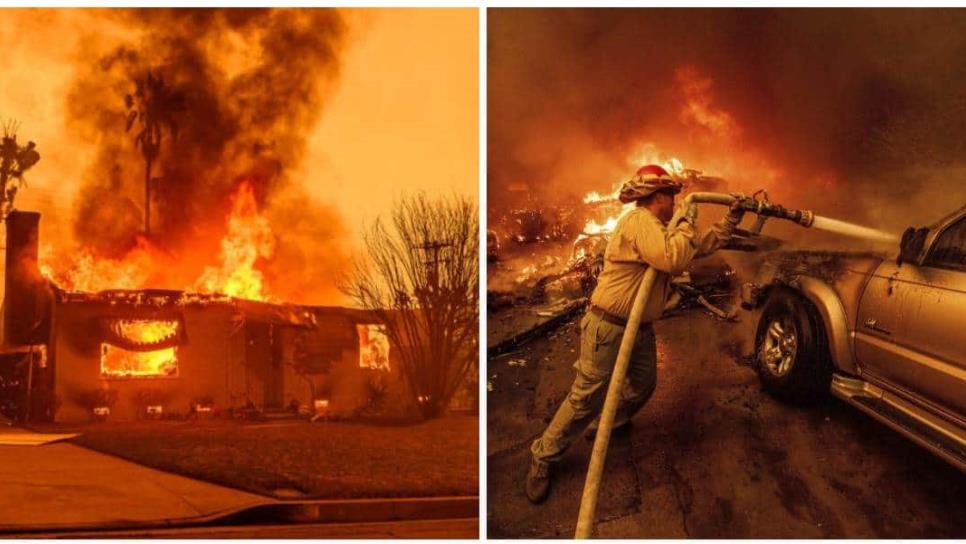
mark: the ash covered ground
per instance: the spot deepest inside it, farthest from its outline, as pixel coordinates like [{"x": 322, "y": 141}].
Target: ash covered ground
[{"x": 710, "y": 455}]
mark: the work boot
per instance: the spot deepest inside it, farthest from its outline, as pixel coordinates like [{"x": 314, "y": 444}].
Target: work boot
[
  {"x": 620, "y": 428},
  {"x": 538, "y": 481}
]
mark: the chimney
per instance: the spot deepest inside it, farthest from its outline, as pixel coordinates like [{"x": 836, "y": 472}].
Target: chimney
[{"x": 27, "y": 302}]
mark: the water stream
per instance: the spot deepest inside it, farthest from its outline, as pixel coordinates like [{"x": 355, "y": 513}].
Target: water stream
[{"x": 851, "y": 229}]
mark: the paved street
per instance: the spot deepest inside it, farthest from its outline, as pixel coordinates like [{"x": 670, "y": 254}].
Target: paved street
[{"x": 711, "y": 455}]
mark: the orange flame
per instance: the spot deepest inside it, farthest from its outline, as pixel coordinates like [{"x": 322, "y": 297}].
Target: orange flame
[
  {"x": 88, "y": 272},
  {"x": 119, "y": 362},
  {"x": 249, "y": 239}
]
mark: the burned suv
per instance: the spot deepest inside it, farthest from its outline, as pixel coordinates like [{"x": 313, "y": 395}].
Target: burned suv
[{"x": 887, "y": 335}]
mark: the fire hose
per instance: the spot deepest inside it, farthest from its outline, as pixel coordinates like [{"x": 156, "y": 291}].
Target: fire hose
[{"x": 757, "y": 204}]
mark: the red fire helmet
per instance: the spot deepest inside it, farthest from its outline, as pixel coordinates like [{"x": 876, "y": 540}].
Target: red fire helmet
[
  {"x": 653, "y": 171},
  {"x": 649, "y": 179}
]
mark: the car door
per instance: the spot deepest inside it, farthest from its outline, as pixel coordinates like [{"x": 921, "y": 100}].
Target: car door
[
  {"x": 934, "y": 321},
  {"x": 879, "y": 323},
  {"x": 911, "y": 328}
]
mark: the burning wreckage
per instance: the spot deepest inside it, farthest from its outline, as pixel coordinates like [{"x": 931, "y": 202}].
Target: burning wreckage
[
  {"x": 74, "y": 356},
  {"x": 563, "y": 253}
]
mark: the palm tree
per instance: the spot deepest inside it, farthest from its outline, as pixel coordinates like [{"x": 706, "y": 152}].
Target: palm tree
[{"x": 155, "y": 106}]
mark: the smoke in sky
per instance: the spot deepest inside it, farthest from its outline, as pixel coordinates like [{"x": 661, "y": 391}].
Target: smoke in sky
[{"x": 858, "y": 114}]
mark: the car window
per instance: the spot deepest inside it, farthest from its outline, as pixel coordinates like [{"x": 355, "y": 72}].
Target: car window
[{"x": 949, "y": 251}]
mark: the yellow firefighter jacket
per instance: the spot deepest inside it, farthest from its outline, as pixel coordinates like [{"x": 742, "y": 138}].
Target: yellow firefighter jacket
[{"x": 640, "y": 240}]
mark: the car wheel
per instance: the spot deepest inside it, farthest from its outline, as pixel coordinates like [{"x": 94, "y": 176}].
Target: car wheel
[{"x": 791, "y": 353}]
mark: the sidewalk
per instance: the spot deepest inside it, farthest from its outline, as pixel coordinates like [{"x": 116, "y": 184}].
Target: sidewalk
[
  {"x": 61, "y": 488},
  {"x": 63, "y": 485}
]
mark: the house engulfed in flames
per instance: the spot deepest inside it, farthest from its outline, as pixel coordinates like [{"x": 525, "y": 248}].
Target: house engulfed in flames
[{"x": 130, "y": 354}]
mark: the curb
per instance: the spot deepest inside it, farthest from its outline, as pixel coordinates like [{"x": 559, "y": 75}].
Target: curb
[
  {"x": 359, "y": 510},
  {"x": 286, "y": 512},
  {"x": 515, "y": 342}
]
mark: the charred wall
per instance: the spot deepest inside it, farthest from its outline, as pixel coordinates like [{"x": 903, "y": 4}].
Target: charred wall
[
  {"x": 227, "y": 358},
  {"x": 210, "y": 364},
  {"x": 332, "y": 369}
]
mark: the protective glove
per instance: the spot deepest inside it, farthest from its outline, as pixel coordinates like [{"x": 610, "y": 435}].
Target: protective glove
[
  {"x": 736, "y": 212},
  {"x": 684, "y": 213},
  {"x": 691, "y": 213},
  {"x": 725, "y": 228}
]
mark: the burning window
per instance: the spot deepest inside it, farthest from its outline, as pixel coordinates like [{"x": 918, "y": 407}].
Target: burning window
[
  {"x": 140, "y": 348},
  {"x": 373, "y": 346}
]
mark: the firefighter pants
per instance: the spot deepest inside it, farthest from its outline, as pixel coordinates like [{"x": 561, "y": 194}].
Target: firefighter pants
[{"x": 600, "y": 341}]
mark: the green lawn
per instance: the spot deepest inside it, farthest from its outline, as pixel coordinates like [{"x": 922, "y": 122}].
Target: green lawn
[{"x": 301, "y": 459}]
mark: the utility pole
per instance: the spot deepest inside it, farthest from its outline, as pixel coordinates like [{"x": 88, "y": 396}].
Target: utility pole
[{"x": 432, "y": 262}]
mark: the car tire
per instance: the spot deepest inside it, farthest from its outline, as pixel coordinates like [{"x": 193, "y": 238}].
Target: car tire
[{"x": 791, "y": 351}]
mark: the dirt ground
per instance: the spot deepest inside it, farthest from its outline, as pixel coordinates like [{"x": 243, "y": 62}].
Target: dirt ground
[
  {"x": 298, "y": 459},
  {"x": 712, "y": 456}
]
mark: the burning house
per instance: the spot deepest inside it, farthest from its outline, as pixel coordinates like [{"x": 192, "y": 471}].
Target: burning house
[
  {"x": 149, "y": 298},
  {"x": 129, "y": 354},
  {"x": 196, "y": 240}
]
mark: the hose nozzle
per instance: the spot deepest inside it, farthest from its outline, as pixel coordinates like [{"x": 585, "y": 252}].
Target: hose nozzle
[
  {"x": 764, "y": 208},
  {"x": 758, "y": 204}
]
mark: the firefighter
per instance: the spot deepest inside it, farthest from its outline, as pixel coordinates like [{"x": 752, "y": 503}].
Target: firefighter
[{"x": 654, "y": 234}]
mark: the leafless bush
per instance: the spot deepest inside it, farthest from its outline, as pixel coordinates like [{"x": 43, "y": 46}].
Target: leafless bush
[{"x": 422, "y": 279}]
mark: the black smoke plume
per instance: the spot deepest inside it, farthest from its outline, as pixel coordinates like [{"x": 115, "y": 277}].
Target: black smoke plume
[
  {"x": 859, "y": 113},
  {"x": 252, "y": 83}
]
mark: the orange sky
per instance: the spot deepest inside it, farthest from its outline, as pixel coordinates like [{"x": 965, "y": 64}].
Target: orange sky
[{"x": 405, "y": 114}]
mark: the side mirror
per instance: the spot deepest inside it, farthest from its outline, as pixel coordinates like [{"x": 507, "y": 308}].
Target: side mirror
[{"x": 911, "y": 245}]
